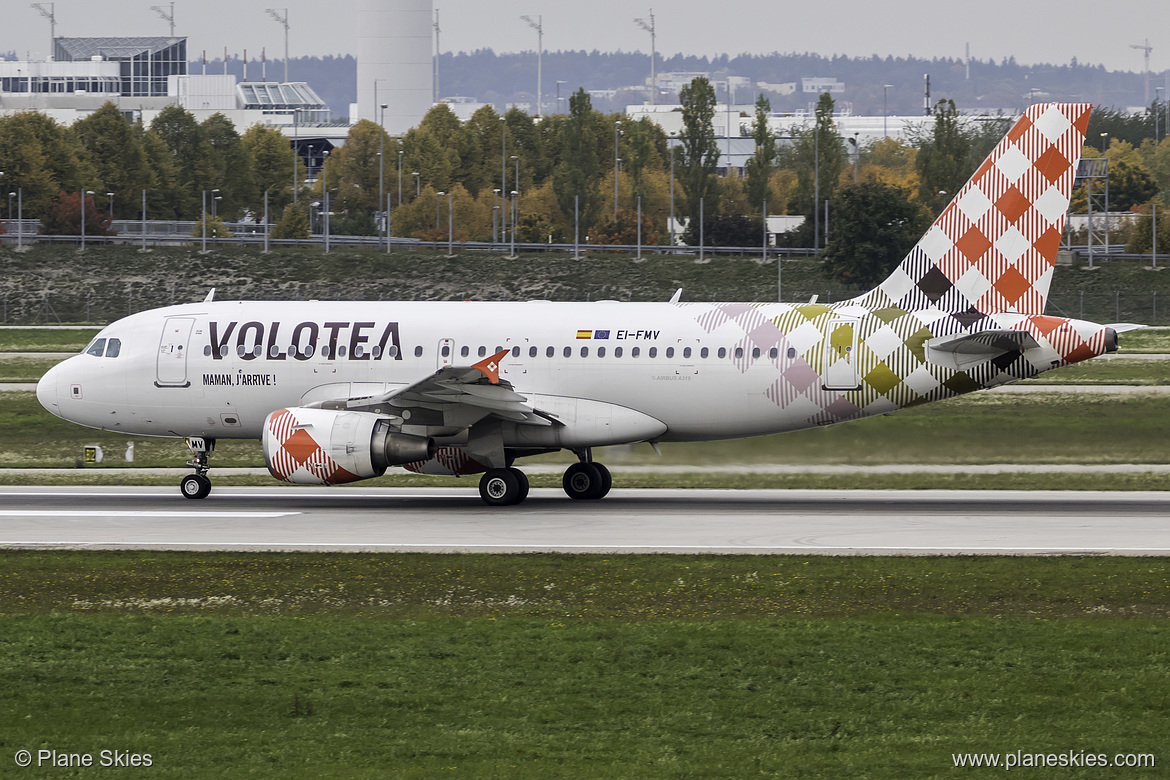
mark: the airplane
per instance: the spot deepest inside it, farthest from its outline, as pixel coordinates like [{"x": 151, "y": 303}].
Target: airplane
[{"x": 340, "y": 391}]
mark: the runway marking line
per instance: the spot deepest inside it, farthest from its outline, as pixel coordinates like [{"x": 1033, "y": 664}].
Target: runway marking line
[{"x": 136, "y": 513}]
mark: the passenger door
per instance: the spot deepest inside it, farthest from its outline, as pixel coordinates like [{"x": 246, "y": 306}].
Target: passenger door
[{"x": 171, "y": 365}]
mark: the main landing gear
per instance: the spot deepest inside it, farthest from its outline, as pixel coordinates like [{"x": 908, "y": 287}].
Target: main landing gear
[
  {"x": 585, "y": 480},
  {"x": 197, "y": 485}
]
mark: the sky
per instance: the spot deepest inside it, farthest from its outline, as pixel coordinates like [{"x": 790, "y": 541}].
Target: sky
[{"x": 1033, "y": 31}]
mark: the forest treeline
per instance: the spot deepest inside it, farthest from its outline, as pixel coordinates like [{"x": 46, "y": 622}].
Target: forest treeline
[{"x": 583, "y": 173}]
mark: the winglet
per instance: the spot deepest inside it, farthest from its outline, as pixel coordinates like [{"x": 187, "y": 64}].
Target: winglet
[
  {"x": 677, "y": 296},
  {"x": 210, "y": 296},
  {"x": 490, "y": 366}
]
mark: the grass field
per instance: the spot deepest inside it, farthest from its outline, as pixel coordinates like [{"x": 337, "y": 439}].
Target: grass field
[{"x": 549, "y": 666}]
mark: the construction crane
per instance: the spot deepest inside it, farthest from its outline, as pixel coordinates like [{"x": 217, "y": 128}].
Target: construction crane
[
  {"x": 51, "y": 15},
  {"x": 168, "y": 16},
  {"x": 649, "y": 27},
  {"x": 1147, "y": 48}
]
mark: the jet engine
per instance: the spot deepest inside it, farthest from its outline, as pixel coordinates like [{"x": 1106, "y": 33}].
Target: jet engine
[{"x": 308, "y": 446}]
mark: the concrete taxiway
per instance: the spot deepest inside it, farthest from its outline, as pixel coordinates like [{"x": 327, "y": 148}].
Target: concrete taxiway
[{"x": 628, "y": 521}]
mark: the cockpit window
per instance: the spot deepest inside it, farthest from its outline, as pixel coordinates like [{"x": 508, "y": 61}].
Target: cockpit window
[
  {"x": 113, "y": 347},
  {"x": 97, "y": 348}
]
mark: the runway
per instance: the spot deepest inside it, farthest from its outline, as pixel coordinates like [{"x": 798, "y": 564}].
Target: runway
[{"x": 866, "y": 522}]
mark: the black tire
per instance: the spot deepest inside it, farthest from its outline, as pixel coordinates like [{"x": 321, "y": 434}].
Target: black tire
[
  {"x": 195, "y": 486},
  {"x": 583, "y": 482},
  {"x": 606, "y": 480},
  {"x": 499, "y": 487},
  {"x": 522, "y": 478}
]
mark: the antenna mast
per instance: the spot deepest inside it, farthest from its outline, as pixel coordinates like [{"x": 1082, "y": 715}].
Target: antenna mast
[
  {"x": 167, "y": 15},
  {"x": 438, "y": 51},
  {"x": 538, "y": 25},
  {"x": 282, "y": 20},
  {"x": 653, "y": 78}
]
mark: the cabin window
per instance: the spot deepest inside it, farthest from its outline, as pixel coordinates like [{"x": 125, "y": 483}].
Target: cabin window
[
  {"x": 550, "y": 352},
  {"x": 670, "y": 352},
  {"x": 418, "y": 351},
  {"x": 532, "y": 352},
  {"x": 756, "y": 353},
  {"x": 791, "y": 353},
  {"x": 446, "y": 350},
  {"x": 704, "y": 352},
  {"x": 358, "y": 351},
  {"x": 601, "y": 352},
  {"x": 391, "y": 350},
  {"x": 223, "y": 351},
  {"x": 686, "y": 352},
  {"x": 207, "y": 351},
  {"x": 292, "y": 351},
  {"x": 376, "y": 352},
  {"x": 240, "y": 350},
  {"x": 635, "y": 351},
  {"x": 464, "y": 351},
  {"x": 773, "y": 353},
  {"x": 584, "y": 351},
  {"x": 97, "y": 348},
  {"x": 515, "y": 351},
  {"x": 617, "y": 352},
  {"x": 273, "y": 351},
  {"x": 653, "y": 352},
  {"x": 258, "y": 350},
  {"x": 568, "y": 352},
  {"x": 722, "y": 352},
  {"x": 482, "y": 351},
  {"x": 738, "y": 353}
]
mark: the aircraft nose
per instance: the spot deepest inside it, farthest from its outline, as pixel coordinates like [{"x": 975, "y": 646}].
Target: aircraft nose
[{"x": 47, "y": 390}]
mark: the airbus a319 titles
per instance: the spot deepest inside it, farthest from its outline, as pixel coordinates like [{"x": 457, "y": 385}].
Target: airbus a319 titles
[{"x": 340, "y": 391}]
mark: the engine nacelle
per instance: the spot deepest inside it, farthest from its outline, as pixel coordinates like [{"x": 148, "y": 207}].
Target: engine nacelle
[{"x": 308, "y": 446}]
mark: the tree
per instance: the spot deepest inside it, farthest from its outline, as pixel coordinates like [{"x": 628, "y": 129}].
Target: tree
[
  {"x": 874, "y": 226},
  {"x": 818, "y": 157},
  {"x": 575, "y": 178},
  {"x": 231, "y": 167},
  {"x": 727, "y": 230},
  {"x": 64, "y": 217},
  {"x": 190, "y": 157},
  {"x": 42, "y": 158},
  {"x": 699, "y": 154},
  {"x": 271, "y": 158},
  {"x": 116, "y": 152},
  {"x": 624, "y": 229},
  {"x": 293, "y": 223},
  {"x": 942, "y": 161},
  {"x": 759, "y": 167},
  {"x": 215, "y": 227}
]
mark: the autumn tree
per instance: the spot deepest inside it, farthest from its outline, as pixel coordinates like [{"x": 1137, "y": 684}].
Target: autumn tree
[
  {"x": 271, "y": 159},
  {"x": 190, "y": 158},
  {"x": 64, "y": 217},
  {"x": 698, "y": 151}
]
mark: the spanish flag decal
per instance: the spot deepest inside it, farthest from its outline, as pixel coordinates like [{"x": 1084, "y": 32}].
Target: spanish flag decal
[{"x": 584, "y": 334}]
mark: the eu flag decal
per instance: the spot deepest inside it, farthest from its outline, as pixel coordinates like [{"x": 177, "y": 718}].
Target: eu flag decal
[{"x": 600, "y": 334}]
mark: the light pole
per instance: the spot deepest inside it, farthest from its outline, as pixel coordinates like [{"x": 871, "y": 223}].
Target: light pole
[
  {"x": 516, "y": 184},
  {"x": 1104, "y": 142},
  {"x": 514, "y": 196},
  {"x": 559, "y": 95},
  {"x": 84, "y": 193},
  {"x": 1157, "y": 100},
  {"x": 856, "y": 155},
  {"x": 617, "y": 130},
  {"x": 503, "y": 155},
  {"x": 417, "y": 185},
  {"x": 296, "y": 152},
  {"x": 214, "y": 199},
  {"x": 817, "y": 179},
  {"x": 438, "y": 196},
  {"x": 19, "y": 218},
  {"x": 450, "y": 224},
  {"x": 110, "y": 195},
  {"x": 203, "y": 216},
  {"x": 381, "y": 157},
  {"x": 885, "y": 111},
  {"x": 671, "y": 147},
  {"x": 399, "y": 177},
  {"x": 11, "y": 195},
  {"x": 496, "y": 208}
]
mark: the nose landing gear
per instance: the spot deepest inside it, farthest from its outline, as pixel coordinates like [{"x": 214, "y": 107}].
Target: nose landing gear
[{"x": 197, "y": 485}]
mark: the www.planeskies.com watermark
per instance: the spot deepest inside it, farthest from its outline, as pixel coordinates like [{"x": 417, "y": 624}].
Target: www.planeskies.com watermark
[{"x": 1067, "y": 758}]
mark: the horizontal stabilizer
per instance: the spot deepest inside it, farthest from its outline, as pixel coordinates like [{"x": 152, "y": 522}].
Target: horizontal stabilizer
[{"x": 968, "y": 349}]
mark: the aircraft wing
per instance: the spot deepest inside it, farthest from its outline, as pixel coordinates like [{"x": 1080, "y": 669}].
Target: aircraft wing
[
  {"x": 969, "y": 349},
  {"x": 456, "y": 396}
]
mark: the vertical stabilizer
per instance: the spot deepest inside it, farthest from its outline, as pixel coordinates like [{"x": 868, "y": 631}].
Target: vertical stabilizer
[{"x": 994, "y": 247}]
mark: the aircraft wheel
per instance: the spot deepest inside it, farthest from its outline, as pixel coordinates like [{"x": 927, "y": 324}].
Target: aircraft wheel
[
  {"x": 500, "y": 487},
  {"x": 522, "y": 478},
  {"x": 606, "y": 480},
  {"x": 583, "y": 481},
  {"x": 195, "y": 486}
]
